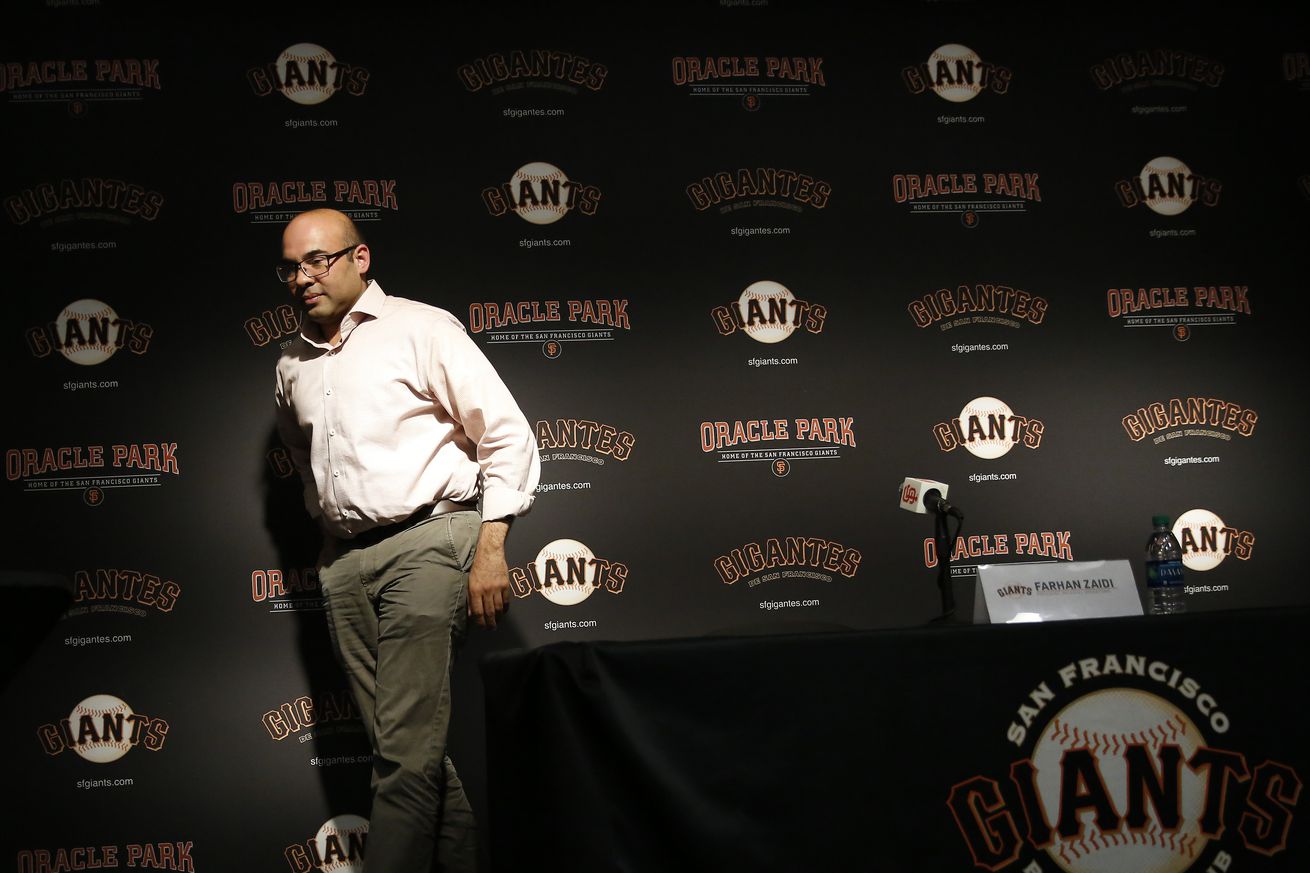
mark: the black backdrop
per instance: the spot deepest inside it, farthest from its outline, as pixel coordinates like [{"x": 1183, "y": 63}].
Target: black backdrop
[{"x": 228, "y": 648}]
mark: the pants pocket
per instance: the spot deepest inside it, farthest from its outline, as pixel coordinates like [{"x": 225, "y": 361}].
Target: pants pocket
[{"x": 463, "y": 530}]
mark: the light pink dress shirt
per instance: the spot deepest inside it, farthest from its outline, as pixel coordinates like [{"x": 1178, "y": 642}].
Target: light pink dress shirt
[{"x": 405, "y": 411}]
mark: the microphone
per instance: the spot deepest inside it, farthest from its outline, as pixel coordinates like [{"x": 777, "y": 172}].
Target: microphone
[
  {"x": 934, "y": 501},
  {"x": 925, "y": 495}
]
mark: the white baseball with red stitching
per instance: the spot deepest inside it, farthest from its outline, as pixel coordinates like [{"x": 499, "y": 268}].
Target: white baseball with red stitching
[{"x": 1106, "y": 723}]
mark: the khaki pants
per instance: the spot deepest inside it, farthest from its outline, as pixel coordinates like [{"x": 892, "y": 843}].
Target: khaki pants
[{"x": 397, "y": 614}]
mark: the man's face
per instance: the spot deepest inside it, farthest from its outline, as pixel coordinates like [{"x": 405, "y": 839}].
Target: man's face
[{"x": 327, "y": 298}]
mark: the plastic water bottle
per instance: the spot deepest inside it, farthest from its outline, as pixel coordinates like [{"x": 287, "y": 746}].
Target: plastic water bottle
[{"x": 1164, "y": 569}]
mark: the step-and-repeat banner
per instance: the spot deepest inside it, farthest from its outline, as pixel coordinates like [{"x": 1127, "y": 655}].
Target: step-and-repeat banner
[{"x": 745, "y": 266}]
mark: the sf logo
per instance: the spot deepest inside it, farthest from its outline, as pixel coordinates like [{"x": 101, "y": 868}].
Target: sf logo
[
  {"x": 910, "y": 494},
  {"x": 781, "y": 467},
  {"x": 551, "y": 349},
  {"x": 1182, "y": 332},
  {"x": 969, "y": 218},
  {"x": 93, "y": 496}
]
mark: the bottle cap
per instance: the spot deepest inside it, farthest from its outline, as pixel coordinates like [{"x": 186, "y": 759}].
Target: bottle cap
[{"x": 1158, "y": 520}]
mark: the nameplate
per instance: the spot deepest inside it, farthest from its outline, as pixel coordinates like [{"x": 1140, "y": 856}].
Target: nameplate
[{"x": 1011, "y": 593}]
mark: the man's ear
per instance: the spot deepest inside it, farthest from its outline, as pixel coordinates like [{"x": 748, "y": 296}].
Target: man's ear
[{"x": 363, "y": 257}]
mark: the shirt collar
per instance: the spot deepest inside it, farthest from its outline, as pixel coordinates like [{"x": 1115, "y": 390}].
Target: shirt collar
[{"x": 369, "y": 305}]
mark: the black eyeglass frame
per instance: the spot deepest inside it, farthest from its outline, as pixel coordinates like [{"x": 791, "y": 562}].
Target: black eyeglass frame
[{"x": 327, "y": 265}]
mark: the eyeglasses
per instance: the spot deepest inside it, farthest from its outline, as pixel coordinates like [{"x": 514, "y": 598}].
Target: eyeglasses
[{"x": 312, "y": 266}]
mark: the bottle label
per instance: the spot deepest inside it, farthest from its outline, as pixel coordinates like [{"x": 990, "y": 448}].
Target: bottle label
[{"x": 1164, "y": 574}]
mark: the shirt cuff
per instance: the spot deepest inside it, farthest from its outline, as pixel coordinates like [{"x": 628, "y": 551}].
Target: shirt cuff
[{"x": 503, "y": 502}]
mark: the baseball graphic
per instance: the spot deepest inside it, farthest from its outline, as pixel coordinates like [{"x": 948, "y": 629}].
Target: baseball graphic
[
  {"x": 1106, "y": 723},
  {"x": 87, "y": 352},
  {"x": 954, "y": 56},
  {"x": 99, "y": 708},
  {"x": 771, "y": 298},
  {"x": 541, "y": 176},
  {"x": 303, "y": 54},
  {"x": 345, "y": 828},
  {"x": 995, "y": 442},
  {"x": 1197, "y": 523},
  {"x": 570, "y": 590},
  {"x": 1162, "y": 168}
]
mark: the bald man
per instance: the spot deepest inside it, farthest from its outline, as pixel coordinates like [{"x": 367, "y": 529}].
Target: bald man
[{"x": 400, "y": 429}]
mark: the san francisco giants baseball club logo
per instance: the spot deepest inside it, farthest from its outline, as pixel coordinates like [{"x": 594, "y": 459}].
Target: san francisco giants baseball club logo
[
  {"x": 540, "y": 193},
  {"x": 1158, "y": 67},
  {"x": 768, "y": 312},
  {"x": 791, "y": 557},
  {"x": 158, "y": 856},
  {"x": 502, "y": 72},
  {"x": 279, "y": 324},
  {"x": 773, "y": 187},
  {"x": 561, "y": 439},
  {"x": 777, "y": 442},
  {"x": 77, "y": 82},
  {"x": 1051, "y": 545},
  {"x": 88, "y": 197},
  {"x": 1133, "y": 773},
  {"x": 1207, "y": 540},
  {"x": 83, "y": 468},
  {"x": 339, "y": 846},
  {"x": 278, "y": 202},
  {"x": 1187, "y": 417},
  {"x": 88, "y": 332},
  {"x": 748, "y": 78},
  {"x": 980, "y": 303},
  {"x": 965, "y": 195},
  {"x": 549, "y": 323},
  {"x": 307, "y": 74},
  {"x": 1167, "y": 186},
  {"x": 956, "y": 74},
  {"x": 1179, "y": 308},
  {"x": 988, "y": 428},
  {"x": 122, "y": 591},
  {"x": 307, "y": 717},
  {"x": 294, "y": 590},
  {"x": 566, "y": 572},
  {"x": 102, "y": 728}
]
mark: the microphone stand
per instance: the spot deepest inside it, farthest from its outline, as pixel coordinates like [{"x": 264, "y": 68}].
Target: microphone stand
[{"x": 945, "y": 545}]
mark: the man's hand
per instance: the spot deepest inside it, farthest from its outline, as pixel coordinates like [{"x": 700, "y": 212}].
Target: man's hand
[{"x": 489, "y": 576}]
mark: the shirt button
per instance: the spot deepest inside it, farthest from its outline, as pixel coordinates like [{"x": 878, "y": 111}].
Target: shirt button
[
  {"x": 332, "y": 433},
  {"x": 329, "y": 391},
  {"x": 335, "y": 474}
]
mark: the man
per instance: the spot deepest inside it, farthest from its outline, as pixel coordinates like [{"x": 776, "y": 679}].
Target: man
[{"x": 398, "y": 424}]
